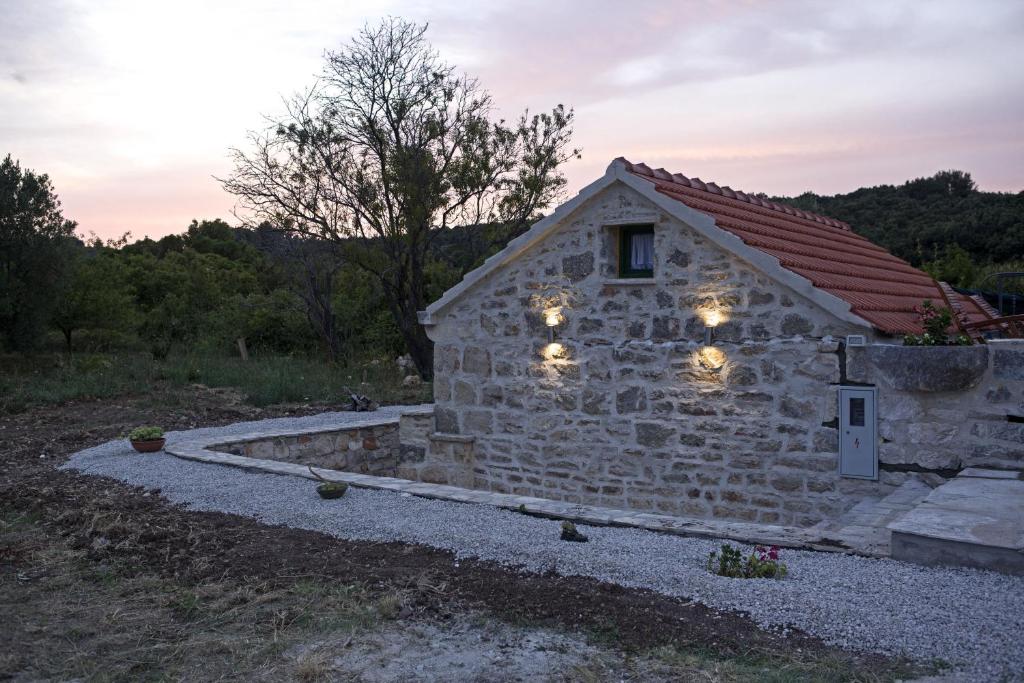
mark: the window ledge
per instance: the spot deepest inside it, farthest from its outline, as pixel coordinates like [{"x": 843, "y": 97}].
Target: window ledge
[{"x": 626, "y": 281}]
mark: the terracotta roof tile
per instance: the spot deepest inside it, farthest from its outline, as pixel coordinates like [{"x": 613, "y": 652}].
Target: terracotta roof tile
[{"x": 882, "y": 289}]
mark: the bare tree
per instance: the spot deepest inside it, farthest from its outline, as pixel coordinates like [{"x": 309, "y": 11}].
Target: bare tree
[
  {"x": 312, "y": 267},
  {"x": 390, "y": 146}
]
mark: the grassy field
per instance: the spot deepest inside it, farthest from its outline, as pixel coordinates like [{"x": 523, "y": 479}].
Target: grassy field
[{"x": 50, "y": 379}]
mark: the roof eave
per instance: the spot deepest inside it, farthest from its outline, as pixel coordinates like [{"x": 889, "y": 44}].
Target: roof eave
[
  {"x": 766, "y": 263},
  {"x": 516, "y": 247},
  {"x": 699, "y": 221}
]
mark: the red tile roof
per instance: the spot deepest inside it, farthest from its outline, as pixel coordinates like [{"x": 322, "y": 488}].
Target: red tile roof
[{"x": 883, "y": 290}]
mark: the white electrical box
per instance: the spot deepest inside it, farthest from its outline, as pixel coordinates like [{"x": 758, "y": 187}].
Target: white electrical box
[{"x": 858, "y": 432}]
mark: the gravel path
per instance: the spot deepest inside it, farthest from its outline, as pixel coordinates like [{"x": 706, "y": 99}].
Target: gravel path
[{"x": 973, "y": 619}]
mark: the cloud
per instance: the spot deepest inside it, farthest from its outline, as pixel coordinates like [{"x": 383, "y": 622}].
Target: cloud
[{"x": 131, "y": 106}]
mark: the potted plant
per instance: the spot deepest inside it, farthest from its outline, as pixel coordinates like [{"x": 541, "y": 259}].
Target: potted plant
[
  {"x": 332, "y": 489},
  {"x": 328, "y": 489},
  {"x": 147, "y": 439}
]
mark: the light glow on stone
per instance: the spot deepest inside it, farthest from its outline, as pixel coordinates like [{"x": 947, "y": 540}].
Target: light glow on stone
[
  {"x": 712, "y": 316},
  {"x": 553, "y": 351},
  {"x": 711, "y": 357}
]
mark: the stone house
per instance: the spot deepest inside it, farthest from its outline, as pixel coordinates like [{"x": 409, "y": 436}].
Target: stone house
[{"x": 664, "y": 344}]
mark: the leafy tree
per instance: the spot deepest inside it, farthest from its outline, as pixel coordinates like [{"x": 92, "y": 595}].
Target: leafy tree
[
  {"x": 953, "y": 265},
  {"x": 95, "y": 293},
  {"x": 920, "y": 218},
  {"x": 181, "y": 297},
  {"x": 389, "y": 148},
  {"x": 33, "y": 237}
]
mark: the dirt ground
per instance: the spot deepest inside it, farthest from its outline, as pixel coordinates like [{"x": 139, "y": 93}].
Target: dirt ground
[{"x": 102, "y": 581}]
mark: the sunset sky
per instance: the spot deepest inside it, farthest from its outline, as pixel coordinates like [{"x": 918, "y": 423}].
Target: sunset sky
[{"x": 131, "y": 105}]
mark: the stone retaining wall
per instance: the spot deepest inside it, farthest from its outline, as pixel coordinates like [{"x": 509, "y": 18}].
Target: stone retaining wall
[
  {"x": 946, "y": 408},
  {"x": 368, "y": 449}
]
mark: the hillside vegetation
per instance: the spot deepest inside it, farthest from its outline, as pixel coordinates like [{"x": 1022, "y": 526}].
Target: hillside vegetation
[
  {"x": 943, "y": 224},
  {"x": 219, "y": 290}
]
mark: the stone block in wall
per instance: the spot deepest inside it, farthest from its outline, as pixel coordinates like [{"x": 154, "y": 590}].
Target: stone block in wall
[
  {"x": 653, "y": 434},
  {"x": 918, "y": 368},
  {"x": 932, "y": 432},
  {"x": 476, "y": 361},
  {"x": 446, "y": 420},
  {"x": 1007, "y": 363},
  {"x": 578, "y": 266},
  {"x": 463, "y": 393},
  {"x": 793, "y": 325},
  {"x": 995, "y": 455},
  {"x": 414, "y": 428}
]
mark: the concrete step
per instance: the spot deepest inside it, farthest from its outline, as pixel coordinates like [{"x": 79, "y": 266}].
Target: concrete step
[
  {"x": 974, "y": 520},
  {"x": 865, "y": 525}
]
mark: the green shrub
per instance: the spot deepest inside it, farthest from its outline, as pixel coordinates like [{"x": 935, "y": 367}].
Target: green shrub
[
  {"x": 146, "y": 434},
  {"x": 569, "y": 533}
]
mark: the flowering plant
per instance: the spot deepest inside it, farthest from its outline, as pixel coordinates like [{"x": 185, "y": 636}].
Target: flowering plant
[
  {"x": 763, "y": 563},
  {"x": 935, "y": 322}
]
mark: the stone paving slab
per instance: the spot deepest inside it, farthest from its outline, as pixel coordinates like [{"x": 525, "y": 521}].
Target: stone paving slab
[
  {"x": 976, "y": 519},
  {"x": 789, "y": 537},
  {"x": 971, "y": 509},
  {"x": 983, "y": 473}
]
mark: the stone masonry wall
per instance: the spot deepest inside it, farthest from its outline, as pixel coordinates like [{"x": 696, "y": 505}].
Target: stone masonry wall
[
  {"x": 372, "y": 449},
  {"x": 628, "y": 409},
  {"x": 946, "y": 408}
]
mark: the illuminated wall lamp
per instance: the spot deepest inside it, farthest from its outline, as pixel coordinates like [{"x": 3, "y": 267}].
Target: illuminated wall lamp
[
  {"x": 551, "y": 319},
  {"x": 709, "y": 335}
]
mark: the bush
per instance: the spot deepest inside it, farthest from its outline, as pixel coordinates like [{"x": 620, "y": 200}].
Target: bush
[
  {"x": 146, "y": 434},
  {"x": 936, "y": 322},
  {"x": 763, "y": 563},
  {"x": 569, "y": 533}
]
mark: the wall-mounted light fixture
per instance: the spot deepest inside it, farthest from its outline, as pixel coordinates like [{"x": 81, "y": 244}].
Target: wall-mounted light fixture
[
  {"x": 710, "y": 357},
  {"x": 711, "y": 317},
  {"x": 552, "y": 318}
]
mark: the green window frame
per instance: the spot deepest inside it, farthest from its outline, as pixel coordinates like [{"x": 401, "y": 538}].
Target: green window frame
[{"x": 626, "y": 235}]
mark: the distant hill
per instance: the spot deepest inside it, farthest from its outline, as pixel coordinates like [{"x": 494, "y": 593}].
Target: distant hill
[{"x": 933, "y": 222}]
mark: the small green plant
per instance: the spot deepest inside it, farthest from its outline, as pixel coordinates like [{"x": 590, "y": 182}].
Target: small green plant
[
  {"x": 763, "y": 563},
  {"x": 146, "y": 434},
  {"x": 935, "y": 322},
  {"x": 569, "y": 533},
  {"x": 328, "y": 489},
  {"x": 332, "y": 489}
]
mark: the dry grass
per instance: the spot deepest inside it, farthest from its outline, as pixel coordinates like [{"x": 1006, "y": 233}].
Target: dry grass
[{"x": 69, "y": 617}]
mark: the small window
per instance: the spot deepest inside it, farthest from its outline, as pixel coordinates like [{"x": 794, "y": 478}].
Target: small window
[{"x": 636, "y": 251}]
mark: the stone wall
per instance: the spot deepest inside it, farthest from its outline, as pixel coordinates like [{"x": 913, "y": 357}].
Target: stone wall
[
  {"x": 370, "y": 449},
  {"x": 629, "y": 409},
  {"x": 414, "y": 429},
  {"x": 946, "y": 408},
  {"x": 449, "y": 459}
]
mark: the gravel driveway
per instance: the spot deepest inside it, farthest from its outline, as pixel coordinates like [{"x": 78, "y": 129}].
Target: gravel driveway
[{"x": 972, "y": 619}]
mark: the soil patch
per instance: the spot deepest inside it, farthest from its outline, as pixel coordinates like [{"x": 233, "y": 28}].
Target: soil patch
[{"x": 133, "y": 533}]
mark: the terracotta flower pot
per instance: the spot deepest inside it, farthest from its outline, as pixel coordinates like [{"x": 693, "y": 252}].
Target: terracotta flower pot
[{"x": 149, "y": 445}]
